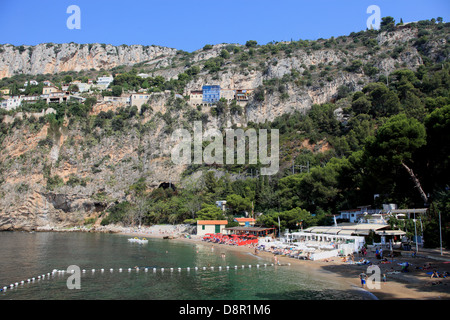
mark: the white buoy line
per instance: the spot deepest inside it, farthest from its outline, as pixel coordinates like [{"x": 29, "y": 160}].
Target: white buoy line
[{"x": 136, "y": 269}]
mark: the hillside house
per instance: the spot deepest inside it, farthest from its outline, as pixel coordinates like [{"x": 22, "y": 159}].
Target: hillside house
[
  {"x": 196, "y": 97},
  {"x": 104, "y": 82},
  {"x": 221, "y": 204},
  {"x": 242, "y": 95},
  {"x": 32, "y": 83},
  {"x": 138, "y": 99},
  {"x": 50, "y": 89},
  {"x": 10, "y": 103},
  {"x": 125, "y": 99},
  {"x": 354, "y": 215},
  {"x": 211, "y": 94}
]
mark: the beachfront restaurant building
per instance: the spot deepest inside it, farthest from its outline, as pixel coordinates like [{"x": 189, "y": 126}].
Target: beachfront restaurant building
[
  {"x": 381, "y": 231},
  {"x": 258, "y": 232},
  {"x": 210, "y": 226},
  {"x": 345, "y": 244}
]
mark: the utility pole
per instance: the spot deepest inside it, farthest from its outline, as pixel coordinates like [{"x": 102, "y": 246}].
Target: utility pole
[
  {"x": 440, "y": 231},
  {"x": 415, "y": 231}
]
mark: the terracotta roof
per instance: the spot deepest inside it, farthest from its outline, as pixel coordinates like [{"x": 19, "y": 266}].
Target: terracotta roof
[
  {"x": 201, "y": 222},
  {"x": 250, "y": 229},
  {"x": 245, "y": 219}
]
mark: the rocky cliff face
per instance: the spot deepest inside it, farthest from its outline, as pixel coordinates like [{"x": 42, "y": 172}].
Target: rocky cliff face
[
  {"x": 53, "y": 58},
  {"x": 92, "y": 170}
]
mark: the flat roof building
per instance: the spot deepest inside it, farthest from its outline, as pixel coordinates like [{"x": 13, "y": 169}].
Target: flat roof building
[
  {"x": 211, "y": 94},
  {"x": 256, "y": 231}
]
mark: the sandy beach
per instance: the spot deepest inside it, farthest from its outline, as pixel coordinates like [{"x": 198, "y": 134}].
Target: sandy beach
[{"x": 416, "y": 284}]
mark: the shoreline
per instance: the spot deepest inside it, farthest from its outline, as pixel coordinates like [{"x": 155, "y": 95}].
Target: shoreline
[
  {"x": 396, "y": 288},
  {"x": 413, "y": 285}
]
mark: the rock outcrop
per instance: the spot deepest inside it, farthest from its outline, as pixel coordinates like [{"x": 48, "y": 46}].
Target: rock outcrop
[{"x": 53, "y": 58}]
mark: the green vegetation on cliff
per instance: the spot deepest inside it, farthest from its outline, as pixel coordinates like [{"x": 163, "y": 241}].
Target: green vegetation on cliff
[{"x": 389, "y": 137}]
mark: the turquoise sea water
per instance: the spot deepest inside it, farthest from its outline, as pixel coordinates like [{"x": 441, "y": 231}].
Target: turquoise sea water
[{"x": 25, "y": 255}]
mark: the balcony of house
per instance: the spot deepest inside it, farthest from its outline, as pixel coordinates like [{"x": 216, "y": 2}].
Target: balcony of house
[
  {"x": 55, "y": 97},
  {"x": 242, "y": 95}
]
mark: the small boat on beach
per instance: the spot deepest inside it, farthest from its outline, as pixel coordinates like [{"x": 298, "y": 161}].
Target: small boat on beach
[{"x": 137, "y": 240}]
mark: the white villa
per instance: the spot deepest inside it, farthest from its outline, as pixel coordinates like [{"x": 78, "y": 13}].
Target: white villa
[{"x": 104, "y": 82}]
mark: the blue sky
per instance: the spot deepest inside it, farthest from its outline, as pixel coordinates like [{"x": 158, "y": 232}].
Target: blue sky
[{"x": 190, "y": 24}]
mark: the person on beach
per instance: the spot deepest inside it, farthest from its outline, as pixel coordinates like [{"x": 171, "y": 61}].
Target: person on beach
[
  {"x": 363, "y": 277},
  {"x": 427, "y": 266}
]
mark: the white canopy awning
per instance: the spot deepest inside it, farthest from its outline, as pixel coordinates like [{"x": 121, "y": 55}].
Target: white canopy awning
[
  {"x": 390, "y": 232},
  {"x": 346, "y": 232}
]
